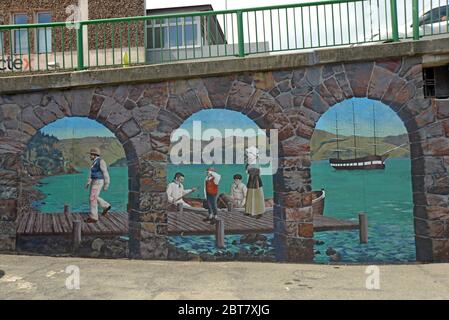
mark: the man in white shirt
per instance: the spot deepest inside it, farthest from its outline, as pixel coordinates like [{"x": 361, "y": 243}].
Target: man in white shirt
[
  {"x": 175, "y": 191},
  {"x": 98, "y": 179}
]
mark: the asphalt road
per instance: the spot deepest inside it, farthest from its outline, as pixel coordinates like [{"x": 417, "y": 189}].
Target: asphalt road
[{"x": 33, "y": 277}]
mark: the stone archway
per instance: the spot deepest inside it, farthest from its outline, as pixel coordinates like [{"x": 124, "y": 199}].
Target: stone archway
[
  {"x": 142, "y": 116},
  {"x": 22, "y": 117},
  {"x": 292, "y": 102}
]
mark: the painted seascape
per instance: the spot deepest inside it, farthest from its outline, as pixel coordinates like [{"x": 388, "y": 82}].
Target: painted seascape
[{"x": 58, "y": 159}]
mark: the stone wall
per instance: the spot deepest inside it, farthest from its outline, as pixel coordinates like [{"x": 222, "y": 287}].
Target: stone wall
[
  {"x": 143, "y": 116},
  {"x": 90, "y": 246}
]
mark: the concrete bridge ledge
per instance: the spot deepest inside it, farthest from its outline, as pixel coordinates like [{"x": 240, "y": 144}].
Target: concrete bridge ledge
[{"x": 227, "y": 65}]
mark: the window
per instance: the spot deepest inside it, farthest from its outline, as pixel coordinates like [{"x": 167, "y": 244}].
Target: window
[
  {"x": 436, "y": 82},
  {"x": 44, "y": 39},
  {"x": 173, "y": 32},
  {"x": 20, "y": 35},
  {"x": 433, "y": 16}
]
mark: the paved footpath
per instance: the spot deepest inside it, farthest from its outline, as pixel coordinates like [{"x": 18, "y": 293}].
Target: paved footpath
[{"x": 32, "y": 277}]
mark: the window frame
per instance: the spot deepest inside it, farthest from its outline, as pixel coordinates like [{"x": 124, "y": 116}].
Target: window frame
[
  {"x": 20, "y": 51},
  {"x": 36, "y": 38},
  {"x": 181, "y": 23}
]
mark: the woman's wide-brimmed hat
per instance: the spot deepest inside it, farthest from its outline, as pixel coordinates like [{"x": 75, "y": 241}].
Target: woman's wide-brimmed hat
[{"x": 95, "y": 151}]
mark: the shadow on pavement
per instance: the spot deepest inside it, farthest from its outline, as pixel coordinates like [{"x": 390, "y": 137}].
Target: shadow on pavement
[{"x": 2, "y": 273}]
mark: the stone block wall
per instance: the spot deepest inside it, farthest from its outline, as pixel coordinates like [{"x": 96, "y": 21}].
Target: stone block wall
[{"x": 143, "y": 116}]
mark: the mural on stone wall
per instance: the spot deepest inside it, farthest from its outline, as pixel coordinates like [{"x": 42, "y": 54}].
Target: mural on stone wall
[
  {"x": 361, "y": 158},
  {"x": 224, "y": 138},
  {"x": 57, "y": 184},
  {"x": 58, "y": 155},
  {"x": 360, "y": 163},
  {"x": 304, "y": 106}
]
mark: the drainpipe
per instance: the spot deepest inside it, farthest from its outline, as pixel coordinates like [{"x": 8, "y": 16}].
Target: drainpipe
[{"x": 83, "y": 5}]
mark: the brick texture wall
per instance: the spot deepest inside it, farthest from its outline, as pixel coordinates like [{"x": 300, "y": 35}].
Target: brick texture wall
[
  {"x": 98, "y": 9},
  {"x": 121, "y": 31}
]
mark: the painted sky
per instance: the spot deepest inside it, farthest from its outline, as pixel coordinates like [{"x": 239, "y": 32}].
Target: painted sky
[
  {"x": 76, "y": 127},
  {"x": 387, "y": 122},
  {"x": 219, "y": 119}
]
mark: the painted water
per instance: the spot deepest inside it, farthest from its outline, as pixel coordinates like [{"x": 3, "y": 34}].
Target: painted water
[
  {"x": 70, "y": 189},
  {"x": 385, "y": 195}
]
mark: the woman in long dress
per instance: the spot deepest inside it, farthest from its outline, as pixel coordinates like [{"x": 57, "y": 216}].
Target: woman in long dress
[{"x": 255, "y": 200}]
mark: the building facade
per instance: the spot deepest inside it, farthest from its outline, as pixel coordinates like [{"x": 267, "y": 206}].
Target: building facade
[
  {"x": 51, "y": 47},
  {"x": 188, "y": 37}
]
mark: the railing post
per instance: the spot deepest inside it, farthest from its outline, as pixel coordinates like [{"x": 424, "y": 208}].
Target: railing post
[
  {"x": 80, "y": 46},
  {"x": 394, "y": 19},
  {"x": 415, "y": 13},
  {"x": 241, "y": 37}
]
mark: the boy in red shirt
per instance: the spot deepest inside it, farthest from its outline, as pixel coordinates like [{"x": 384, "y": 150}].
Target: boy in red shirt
[{"x": 211, "y": 192}]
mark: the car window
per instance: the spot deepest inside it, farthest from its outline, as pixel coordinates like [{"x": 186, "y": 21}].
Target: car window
[
  {"x": 435, "y": 15},
  {"x": 439, "y": 13}
]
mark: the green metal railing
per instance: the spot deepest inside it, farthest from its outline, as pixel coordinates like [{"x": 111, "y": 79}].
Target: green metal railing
[{"x": 196, "y": 35}]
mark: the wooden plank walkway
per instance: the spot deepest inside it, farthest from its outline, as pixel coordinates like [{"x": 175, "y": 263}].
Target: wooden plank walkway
[
  {"x": 323, "y": 223},
  {"x": 191, "y": 223},
  {"x": 186, "y": 223},
  {"x": 37, "y": 224}
]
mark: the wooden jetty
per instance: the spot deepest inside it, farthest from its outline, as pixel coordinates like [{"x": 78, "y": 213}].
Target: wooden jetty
[
  {"x": 41, "y": 224},
  {"x": 185, "y": 223}
]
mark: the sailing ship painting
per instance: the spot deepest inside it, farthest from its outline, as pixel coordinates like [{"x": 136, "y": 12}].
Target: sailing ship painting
[{"x": 370, "y": 162}]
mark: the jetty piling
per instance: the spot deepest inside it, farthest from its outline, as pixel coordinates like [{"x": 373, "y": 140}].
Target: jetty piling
[
  {"x": 76, "y": 235},
  {"x": 219, "y": 233},
  {"x": 363, "y": 229}
]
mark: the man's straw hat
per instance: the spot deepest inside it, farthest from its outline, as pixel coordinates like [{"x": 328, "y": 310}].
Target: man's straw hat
[{"x": 95, "y": 151}]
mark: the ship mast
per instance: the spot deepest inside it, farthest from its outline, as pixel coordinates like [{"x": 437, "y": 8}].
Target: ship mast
[
  {"x": 355, "y": 139},
  {"x": 374, "y": 127},
  {"x": 336, "y": 133}
]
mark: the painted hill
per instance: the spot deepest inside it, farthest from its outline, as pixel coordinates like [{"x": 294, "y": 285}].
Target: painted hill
[
  {"x": 75, "y": 151},
  {"x": 323, "y": 144},
  {"x": 41, "y": 158}
]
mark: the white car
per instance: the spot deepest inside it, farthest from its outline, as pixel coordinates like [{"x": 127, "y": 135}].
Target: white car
[{"x": 432, "y": 22}]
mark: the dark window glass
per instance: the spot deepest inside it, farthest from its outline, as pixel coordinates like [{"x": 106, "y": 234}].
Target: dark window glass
[
  {"x": 21, "y": 35},
  {"x": 156, "y": 36},
  {"x": 44, "y": 38}
]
